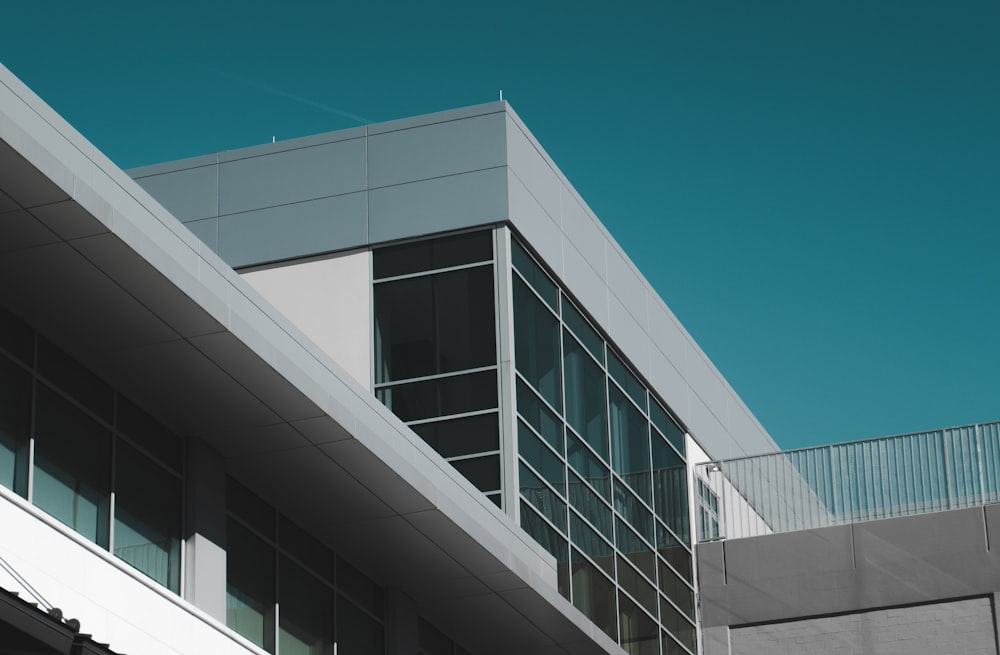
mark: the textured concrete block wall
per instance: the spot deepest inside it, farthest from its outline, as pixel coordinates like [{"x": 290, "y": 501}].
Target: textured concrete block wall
[{"x": 964, "y": 627}]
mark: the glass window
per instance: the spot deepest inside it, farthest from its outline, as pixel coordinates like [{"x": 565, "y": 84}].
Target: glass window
[
  {"x": 536, "y": 344},
  {"x": 360, "y": 588},
  {"x": 590, "y": 505},
  {"x": 673, "y": 551},
  {"x": 634, "y": 512},
  {"x": 594, "y": 594},
  {"x": 544, "y": 499},
  {"x": 675, "y": 589},
  {"x": 434, "y": 324},
  {"x": 250, "y": 508},
  {"x": 66, "y": 374},
  {"x": 629, "y": 443},
  {"x": 303, "y": 547},
  {"x": 461, "y": 436},
  {"x": 678, "y": 626},
  {"x": 538, "y": 416},
  {"x": 637, "y": 586},
  {"x": 412, "y": 401},
  {"x": 72, "y": 479},
  {"x": 357, "y": 633},
  {"x": 640, "y": 634},
  {"x": 591, "y": 469},
  {"x": 591, "y": 543},
  {"x": 629, "y": 382},
  {"x": 250, "y": 590},
  {"x": 587, "y": 335},
  {"x": 586, "y": 403},
  {"x": 149, "y": 434},
  {"x": 542, "y": 459},
  {"x": 431, "y": 254},
  {"x": 667, "y": 426},
  {"x": 670, "y": 487},
  {"x": 549, "y": 539},
  {"x": 635, "y": 549},
  {"x": 537, "y": 278},
  {"x": 305, "y": 610},
  {"x": 483, "y": 472},
  {"x": 15, "y": 424},
  {"x": 147, "y": 517}
]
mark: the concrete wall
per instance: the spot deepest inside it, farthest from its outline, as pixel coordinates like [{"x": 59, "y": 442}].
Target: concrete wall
[
  {"x": 850, "y": 569},
  {"x": 329, "y": 299}
]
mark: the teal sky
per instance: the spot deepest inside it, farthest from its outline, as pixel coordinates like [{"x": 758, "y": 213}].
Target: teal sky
[{"x": 813, "y": 187}]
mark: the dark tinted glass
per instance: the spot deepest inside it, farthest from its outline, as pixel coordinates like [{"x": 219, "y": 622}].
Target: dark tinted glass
[
  {"x": 591, "y": 543},
  {"x": 629, "y": 382},
  {"x": 588, "y": 466},
  {"x": 306, "y": 549},
  {"x": 670, "y": 487},
  {"x": 432, "y": 641},
  {"x": 640, "y": 634},
  {"x": 672, "y": 585},
  {"x": 250, "y": 586},
  {"x": 250, "y": 508},
  {"x": 575, "y": 321},
  {"x": 590, "y": 506},
  {"x": 360, "y": 588},
  {"x": 629, "y": 443},
  {"x": 586, "y": 399},
  {"x": 149, "y": 434},
  {"x": 16, "y": 337},
  {"x": 550, "y": 540},
  {"x": 635, "y": 549},
  {"x": 538, "y": 416},
  {"x": 637, "y": 586},
  {"x": 484, "y": 472},
  {"x": 675, "y": 622},
  {"x": 461, "y": 436},
  {"x": 306, "y": 611},
  {"x": 434, "y": 324},
  {"x": 73, "y": 379},
  {"x": 531, "y": 272},
  {"x": 358, "y": 633},
  {"x": 671, "y": 550},
  {"x": 15, "y": 423},
  {"x": 544, "y": 499},
  {"x": 594, "y": 595},
  {"x": 541, "y": 458},
  {"x": 536, "y": 344},
  {"x": 432, "y": 254},
  {"x": 667, "y": 426},
  {"x": 634, "y": 511},
  {"x": 441, "y": 397}
]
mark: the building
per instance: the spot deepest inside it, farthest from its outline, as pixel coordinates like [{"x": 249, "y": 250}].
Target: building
[{"x": 390, "y": 389}]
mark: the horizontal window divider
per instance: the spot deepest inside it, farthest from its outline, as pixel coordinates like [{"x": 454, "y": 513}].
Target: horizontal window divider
[
  {"x": 674, "y": 535},
  {"x": 540, "y": 513},
  {"x": 590, "y": 525},
  {"x": 484, "y": 453},
  {"x": 537, "y": 295},
  {"x": 679, "y": 576},
  {"x": 535, "y": 432},
  {"x": 679, "y": 610},
  {"x": 589, "y": 447},
  {"x": 539, "y": 475},
  {"x": 635, "y": 600},
  {"x": 632, "y": 565},
  {"x": 589, "y": 486},
  {"x": 436, "y": 376},
  {"x": 645, "y": 413},
  {"x": 545, "y": 402},
  {"x": 676, "y": 640},
  {"x": 433, "y": 271},
  {"x": 585, "y": 349},
  {"x": 448, "y": 417}
]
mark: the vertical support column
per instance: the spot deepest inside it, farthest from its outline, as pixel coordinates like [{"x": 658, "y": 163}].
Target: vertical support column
[
  {"x": 505, "y": 333},
  {"x": 205, "y": 530},
  {"x": 402, "y": 622}
]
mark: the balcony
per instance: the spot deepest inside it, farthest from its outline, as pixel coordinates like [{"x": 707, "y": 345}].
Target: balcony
[{"x": 849, "y": 482}]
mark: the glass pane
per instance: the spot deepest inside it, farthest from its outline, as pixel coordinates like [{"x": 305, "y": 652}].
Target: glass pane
[
  {"x": 250, "y": 508},
  {"x": 635, "y": 549},
  {"x": 537, "y": 278},
  {"x": 151, "y": 435},
  {"x": 545, "y": 462},
  {"x": 590, "y": 505},
  {"x": 432, "y": 641},
  {"x": 15, "y": 423},
  {"x": 586, "y": 403},
  {"x": 594, "y": 595},
  {"x": 360, "y": 588},
  {"x": 305, "y": 608},
  {"x": 357, "y": 633},
  {"x": 675, "y": 589},
  {"x": 671, "y": 550},
  {"x": 249, "y": 586},
  {"x": 538, "y": 416},
  {"x": 591, "y": 543},
  {"x": 640, "y": 634},
  {"x": 637, "y": 586},
  {"x": 549, "y": 539},
  {"x": 544, "y": 499},
  {"x": 634, "y": 512},
  {"x": 629, "y": 382},
  {"x": 72, "y": 480},
  {"x": 432, "y": 254},
  {"x": 147, "y": 516},
  {"x": 629, "y": 443},
  {"x": 667, "y": 426},
  {"x": 461, "y": 436},
  {"x": 591, "y": 469},
  {"x": 17, "y": 338},
  {"x": 575, "y": 321},
  {"x": 484, "y": 472},
  {"x": 675, "y": 622},
  {"x": 536, "y": 344},
  {"x": 434, "y": 324},
  {"x": 73, "y": 379},
  {"x": 670, "y": 487},
  {"x": 458, "y": 394},
  {"x": 305, "y": 548}
]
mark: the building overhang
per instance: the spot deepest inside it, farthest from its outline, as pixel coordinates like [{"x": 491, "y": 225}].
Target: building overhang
[{"x": 100, "y": 268}]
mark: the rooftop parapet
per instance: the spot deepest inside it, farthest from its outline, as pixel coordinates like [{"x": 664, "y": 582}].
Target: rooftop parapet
[{"x": 850, "y": 482}]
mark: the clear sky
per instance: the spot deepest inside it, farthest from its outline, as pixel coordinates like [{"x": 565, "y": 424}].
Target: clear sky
[{"x": 812, "y": 186}]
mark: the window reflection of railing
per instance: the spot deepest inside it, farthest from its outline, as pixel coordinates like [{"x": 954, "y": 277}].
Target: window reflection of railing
[
  {"x": 152, "y": 558},
  {"x": 856, "y": 481}
]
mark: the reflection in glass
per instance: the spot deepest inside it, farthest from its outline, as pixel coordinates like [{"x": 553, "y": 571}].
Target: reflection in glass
[
  {"x": 413, "y": 401},
  {"x": 536, "y": 344},
  {"x": 461, "y": 436},
  {"x": 147, "y": 517},
  {"x": 305, "y": 611},
  {"x": 544, "y": 499},
  {"x": 15, "y": 422},
  {"x": 586, "y": 404},
  {"x": 249, "y": 586},
  {"x": 640, "y": 634},
  {"x": 538, "y": 416},
  {"x": 542, "y": 459},
  {"x": 594, "y": 594},
  {"x": 629, "y": 443},
  {"x": 670, "y": 488}
]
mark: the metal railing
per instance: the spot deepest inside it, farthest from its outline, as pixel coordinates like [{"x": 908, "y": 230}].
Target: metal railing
[{"x": 850, "y": 482}]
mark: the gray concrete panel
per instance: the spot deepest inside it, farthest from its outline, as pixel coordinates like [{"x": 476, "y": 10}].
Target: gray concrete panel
[
  {"x": 583, "y": 231},
  {"x": 586, "y": 285},
  {"x": 292, "y": 176},
  {"x": 715, "y": 641},
  {"x": 632, "y": 341},
  {"x": 438, "y": 205},
  {"x": 627, "y": 285},
  {"x": 188, "y": 194},
  {"x": 296, "y": 230},
  {"x": 534, "y": 171},
  {"x": 437, "y": 117},
  {"x": 667, "y": 381},
  {"x": 539, "y": 229},
  {"x": 436, "y": 150},
  {"x": 993, "y": 527},
  {"x": 297, "y": 143}
]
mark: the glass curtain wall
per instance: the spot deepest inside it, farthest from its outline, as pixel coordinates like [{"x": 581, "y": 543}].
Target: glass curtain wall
[
  {"x": 602, "y": 474},
  {"x": 290, "y": 595},
  {"x": 436, "y": 348},
  {"x": 76, "y": 448}
]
